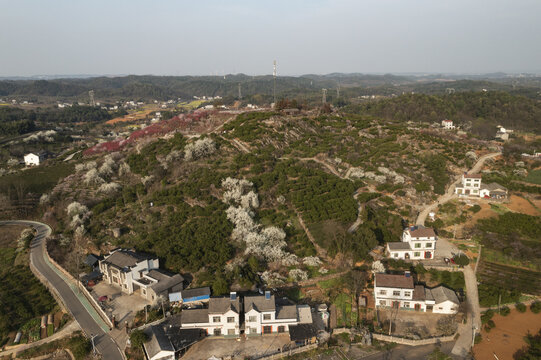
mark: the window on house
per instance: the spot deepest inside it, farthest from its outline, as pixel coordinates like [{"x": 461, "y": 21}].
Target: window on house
[
  {"x": 216, "y": 319},
  {"x": 252, "y": 319},
  {"x": 267, "y": 329},
  {"x": 383, "y": 292},
  {"x": 428, "y": 245},
  {"x": 395, "y": 254},
  {"x": 407, "y": 293},
  {"x": 253, "y": 330},
  {"x": 281, "y": 329},
  {"x": 230, "y": 331},
  {"x": 266, "y": 316},
  {"x": 406, "y": 304},
  {"x": 396, "y": 293},
  {"x": 217, "y": 331},
  {"x": 230, "y": 319},
  {"x": 383, "y": 302},
  {"x": 417, "y": 245},
  {"x": 417, "y": 254}
]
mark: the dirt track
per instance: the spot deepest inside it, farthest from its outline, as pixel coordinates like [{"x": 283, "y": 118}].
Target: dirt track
[{"x": 508, "y": 335}]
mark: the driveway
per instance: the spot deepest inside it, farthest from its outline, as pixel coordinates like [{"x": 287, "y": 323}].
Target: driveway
[
  {"x": 237, "y": 348},
  {"x": 80, "y": 309}
]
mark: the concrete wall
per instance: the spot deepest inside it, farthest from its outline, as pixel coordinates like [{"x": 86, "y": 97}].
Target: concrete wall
[{"x": 412, "y": 342}]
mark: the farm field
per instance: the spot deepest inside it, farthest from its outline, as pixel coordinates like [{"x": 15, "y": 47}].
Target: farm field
[
  {"x": 37, "y": 179},
  {"x": 138, "y": 115},
  {"x": 510, "y": 277},
  {"x": 534, "y": 177},
  {"x": 521, "y": 205},
  {"x": 507, "y": 337}
]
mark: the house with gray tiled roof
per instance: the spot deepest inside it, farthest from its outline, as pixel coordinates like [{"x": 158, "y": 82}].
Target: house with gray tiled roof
[
  {"x": 418, "y": 243},
  {"x": 401, "y": 292},
  {"x": 139, "y": 273},
  {"x": 263, "y": 316}
]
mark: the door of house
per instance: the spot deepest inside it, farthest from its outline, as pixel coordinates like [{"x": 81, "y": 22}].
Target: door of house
[
  {"x": 395, "y": 304},
  {"x": 407, "y": 256},
  {"x": 428, "y": 255},
  {"x": 429, "y": 308},
  {"x": 217, "y": 331},
  {"x": 267, "y": 329},
  {"x": 417, "y": 307}
]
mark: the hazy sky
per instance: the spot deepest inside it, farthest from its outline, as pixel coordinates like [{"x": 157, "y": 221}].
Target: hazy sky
[{"x": 309, "y": 36}]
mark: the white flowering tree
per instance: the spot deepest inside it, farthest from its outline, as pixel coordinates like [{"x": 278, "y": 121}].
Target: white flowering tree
[
  {"x": 198, "y": 149},
  {"x": 378, "y": 267}
]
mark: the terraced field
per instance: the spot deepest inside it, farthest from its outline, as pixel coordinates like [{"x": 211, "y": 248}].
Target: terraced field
[{"x": 510, "y": 277}]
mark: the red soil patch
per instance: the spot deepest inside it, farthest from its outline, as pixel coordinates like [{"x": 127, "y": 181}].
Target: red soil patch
[
  {"x": 130, "y": 117},
  {"x": 508, "y": 336},
  {"x": 521, "y": 205}
]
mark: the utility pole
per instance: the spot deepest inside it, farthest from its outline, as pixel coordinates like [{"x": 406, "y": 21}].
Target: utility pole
[
  {"x": 274, "y": 83},
  {"x": 91, "y": 95},
  {"x": 324, "y": 97},
  {"x": 338, "y": 91},
  {"x": 240, "y": 93},
  {"x": 93, "y": 344}
]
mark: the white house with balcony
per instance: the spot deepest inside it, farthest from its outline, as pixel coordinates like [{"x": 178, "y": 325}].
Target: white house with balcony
[
  {"x": 221, "y": 318},
  {"x": 470, "y": 186},
  {"x": 447, "y": 124},
  {"x": 418, "y": 243},
  {"x": 263, "y": 316},
  {"x": 400, "y": 292}
]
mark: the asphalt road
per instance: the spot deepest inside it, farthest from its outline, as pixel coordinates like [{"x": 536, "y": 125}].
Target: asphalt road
[{"x": 104, "y": 343}]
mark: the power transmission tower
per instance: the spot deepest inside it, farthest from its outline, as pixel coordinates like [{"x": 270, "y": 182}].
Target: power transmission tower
[
  {"x": 274, "y": 83},
  {"x": 91, "y": 94},
  {"x": 240, "y": 93},
  {"x": 324, "y": 98}
]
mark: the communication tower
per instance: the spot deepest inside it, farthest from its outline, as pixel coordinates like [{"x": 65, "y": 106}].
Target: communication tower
[
  {"x": 274, "y": 83},
  {"x": 324, "y": 99},
  {"x": 91, "y": 95}
]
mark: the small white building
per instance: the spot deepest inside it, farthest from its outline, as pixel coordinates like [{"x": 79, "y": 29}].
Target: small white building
[
  {"x": 447, "y": 124},
  {"x": 400, "y": 292},
  {"x": 418, "y": 243},
  {"x": 32, "y": 159}
]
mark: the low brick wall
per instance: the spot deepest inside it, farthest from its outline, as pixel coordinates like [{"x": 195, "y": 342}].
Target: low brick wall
[
  {"x": 95, "y": 304},
  {"x": 289, "y": 352},
  {"x": 412, "y": 342}
]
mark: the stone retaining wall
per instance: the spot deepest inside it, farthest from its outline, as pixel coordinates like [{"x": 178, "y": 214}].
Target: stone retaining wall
[{"x": 412, "y": 342}]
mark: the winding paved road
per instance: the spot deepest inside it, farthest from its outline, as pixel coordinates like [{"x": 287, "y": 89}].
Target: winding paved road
[{"x": 81, "y": 310}]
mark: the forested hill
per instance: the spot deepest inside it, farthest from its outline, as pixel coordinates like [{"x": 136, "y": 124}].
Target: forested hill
[
  {"x": 167, "y": 87},
  {"x": 482, "y": 110}
]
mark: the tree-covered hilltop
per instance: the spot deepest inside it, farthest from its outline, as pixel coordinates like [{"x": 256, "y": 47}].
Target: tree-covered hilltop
[{"x": 483, "y": 111}]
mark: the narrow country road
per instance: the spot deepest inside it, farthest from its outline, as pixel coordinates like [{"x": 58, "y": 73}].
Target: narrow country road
[
  {"x": 449, "y": 194},
  {"x": 466, "y": 331},
  {"x": 83, "y": 313}
]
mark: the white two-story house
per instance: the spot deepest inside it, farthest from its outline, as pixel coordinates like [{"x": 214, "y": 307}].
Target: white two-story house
[
  {"x": 138, "y": 273},
  {"x": 221, "y": 318},
  {"x": 417, "y": 243},
  {"x": 400, "y": 292},
  {"x": 471, "y": 185},
  {"x": 447, "y": 124},
  {"x": 263, "y": 316}
]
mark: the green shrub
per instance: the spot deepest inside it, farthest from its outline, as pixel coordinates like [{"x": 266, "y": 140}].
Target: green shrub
[
  {"x": 478, "y": 338},
  {"x": 536, "y": 307},
  {"x": 80, "y": 346},
  {"x": 138, "y": 338},
  {"x": 475, "y": 208},
  {"x": 521, "y": 307},
  {"x": 504, "y": 311},
  {"x": 486, "y": 316},
  {"x": 461, "y": 259}
]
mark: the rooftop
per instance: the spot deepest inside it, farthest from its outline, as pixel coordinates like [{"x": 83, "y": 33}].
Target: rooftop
[
  {"x": 441, "y": 294},
  {"x": 302, "y": 332},
  {"x": 493, "y": 187},
  {"x": 394, "y": 281},
  {"x": 221, "y": 305},
  {"x": 472, "y": 176},
  {"x": 125, "y": 258},
  {"x": 398, "y": 246},
  {"x": 419, "y": 293},
  {"x": 259, "y": 303},
  {"x": 420, "y": 231},
  {"x": 194, "y": 316},
  {"x": 158, "y": 341},
  {"x": 189, "y": 293},
  {"x": 286, "y": 312}
]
